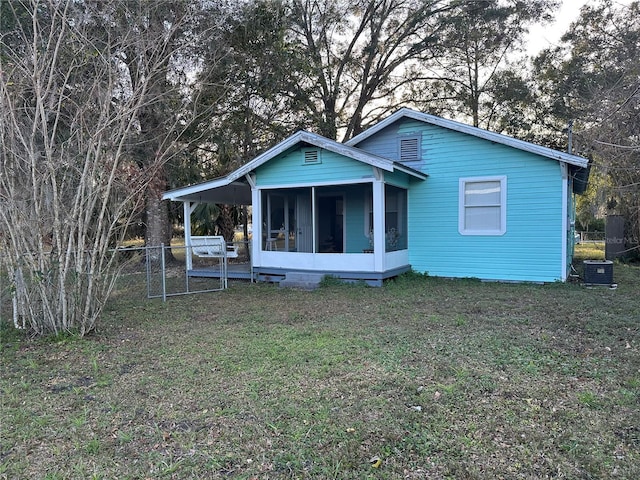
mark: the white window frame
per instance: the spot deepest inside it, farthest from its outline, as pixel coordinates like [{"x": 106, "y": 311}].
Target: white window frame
[{"x": 462, "y": 207}]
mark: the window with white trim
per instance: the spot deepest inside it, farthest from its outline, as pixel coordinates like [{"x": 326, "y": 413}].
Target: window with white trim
[{"x": 482, "y": 206}]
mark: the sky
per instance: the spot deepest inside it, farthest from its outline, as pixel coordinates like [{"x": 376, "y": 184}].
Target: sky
[{"x": 544, "y": 36}]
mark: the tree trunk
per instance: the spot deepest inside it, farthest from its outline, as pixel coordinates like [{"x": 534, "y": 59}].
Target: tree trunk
[
  {"x": 226, "y": 222},
  {"x": 158, "y": 227}
]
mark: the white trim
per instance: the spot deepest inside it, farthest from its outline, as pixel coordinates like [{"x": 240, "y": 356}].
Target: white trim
[
  {"x": 462, "y": 208},
  {"x": 469, "y": 130},
  {"x": 187, "y": 210},
  {"x": 251, "y": 179},
  {"x": 178, "y": 193},
  {"x": 328, "y": 183},
  {"x": 300, "y": 137},
  {"x": 317, "y": 141},
  {"x": 340, "y": 262},
  {"x": 565, "y": 219},
  {"x": 412, "y": 172},
  {"x": 256, "y": 238},
  {"x": 378, "y": 224}
]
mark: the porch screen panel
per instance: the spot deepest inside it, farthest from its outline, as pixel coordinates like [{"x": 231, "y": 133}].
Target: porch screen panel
[
  {"x": 395, "y": 218},
  {"x": 288, "y": 221},
  {"x": 304, "y": 222}
]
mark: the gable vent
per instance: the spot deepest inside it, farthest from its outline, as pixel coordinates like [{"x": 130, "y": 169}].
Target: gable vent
[
  {"x": 409, "y": 149},
  {"x": 311, "y": 157}
]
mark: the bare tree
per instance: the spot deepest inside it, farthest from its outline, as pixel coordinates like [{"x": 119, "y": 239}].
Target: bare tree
[
  {"x": 361, "y": 54},
  {"x": 475, "y": 77},
  {"x": 70, "y": 117}
]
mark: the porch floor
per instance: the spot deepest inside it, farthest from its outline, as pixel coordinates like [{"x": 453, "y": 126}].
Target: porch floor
[
  {"x": 243, "y": 271},
  {"x": 235, "y": 271}
]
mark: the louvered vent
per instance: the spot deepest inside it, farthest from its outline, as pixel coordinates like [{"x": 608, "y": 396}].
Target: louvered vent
[
  {"x": 311, "y": 156},
  {"x": 409, "y": 149}
]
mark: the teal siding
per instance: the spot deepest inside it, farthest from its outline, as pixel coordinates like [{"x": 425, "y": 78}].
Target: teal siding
[
  {"x": 530, "y": 250},
  {"x": 288, "y": 169},
  {"x": 531, "y": 247},
  {"x": 385, "y": 142},
  {"x": 398, "y": 179}
]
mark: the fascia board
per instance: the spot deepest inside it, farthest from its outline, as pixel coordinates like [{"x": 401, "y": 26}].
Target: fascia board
[
  {"x": 476, "y": 132},
  {"x": 178, "y": 193},
  {"x": 317, "y": 141},
  {"x": 298, "y": 137}
]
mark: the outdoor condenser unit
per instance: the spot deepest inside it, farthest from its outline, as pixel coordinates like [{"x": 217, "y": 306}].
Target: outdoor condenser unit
[{"x": 598, "y": 272}]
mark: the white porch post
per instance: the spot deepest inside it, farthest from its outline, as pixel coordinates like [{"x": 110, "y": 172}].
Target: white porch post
[
  {"x": 188, "y": 208},
  {"x": 256, "y": 239},
  {"x": 378, "y": 221}
]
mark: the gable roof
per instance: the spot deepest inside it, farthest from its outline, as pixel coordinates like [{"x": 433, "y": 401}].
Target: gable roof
[
  {"x": 233, "y": 183},
  {"x": 319, "y": 141},
  {"x": 470, "y": 130}
]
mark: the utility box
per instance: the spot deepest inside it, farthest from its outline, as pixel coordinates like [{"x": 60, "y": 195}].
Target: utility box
[
  {"x": 598, "y": 272},
  {"x": 614, "y": 232}
]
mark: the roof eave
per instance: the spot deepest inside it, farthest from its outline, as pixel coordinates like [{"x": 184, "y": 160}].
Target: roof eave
[
  {"x": 179, "y": 194},
  {"x": 470, "y": 130},
  {"x": 410, "y": 171}
]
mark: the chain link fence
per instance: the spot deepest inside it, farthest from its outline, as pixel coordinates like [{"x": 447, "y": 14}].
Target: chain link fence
[
  {"x": 582, "y": 236},
  {"x": 157, "y": 272},
  {"x": 179, "y": 270}
]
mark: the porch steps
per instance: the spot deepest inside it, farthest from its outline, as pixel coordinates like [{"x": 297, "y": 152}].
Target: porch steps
[{"x": 302, "y": 280}]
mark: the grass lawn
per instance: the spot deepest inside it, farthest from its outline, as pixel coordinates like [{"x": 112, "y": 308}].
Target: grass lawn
[{"x": 436, "y": 378}]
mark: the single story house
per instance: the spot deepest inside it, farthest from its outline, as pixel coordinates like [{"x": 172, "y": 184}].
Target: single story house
[{"x": 416, "y": 192}]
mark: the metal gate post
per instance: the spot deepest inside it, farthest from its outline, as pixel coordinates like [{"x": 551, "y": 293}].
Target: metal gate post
[{"x": 164, "y": 278}]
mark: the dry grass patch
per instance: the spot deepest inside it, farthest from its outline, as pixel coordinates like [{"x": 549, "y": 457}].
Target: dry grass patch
[{"x": 440, "y": 379}]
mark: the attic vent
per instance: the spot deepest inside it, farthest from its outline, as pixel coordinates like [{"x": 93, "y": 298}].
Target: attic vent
[
  {"x": 409, "y": 149},
  {"x": 311, "y": 157}
]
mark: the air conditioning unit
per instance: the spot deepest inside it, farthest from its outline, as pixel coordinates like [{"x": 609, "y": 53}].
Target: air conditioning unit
[{"x": 598, "y": 272}]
